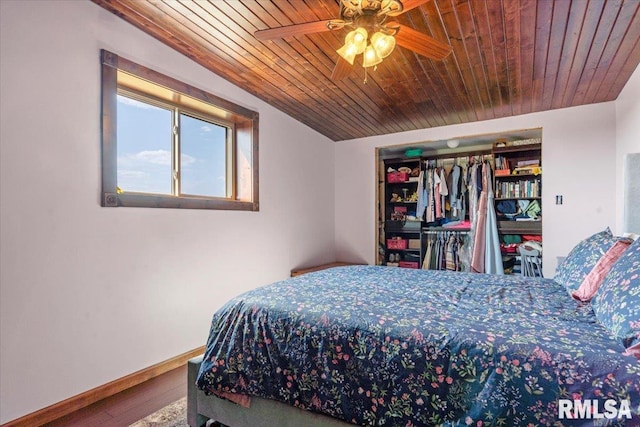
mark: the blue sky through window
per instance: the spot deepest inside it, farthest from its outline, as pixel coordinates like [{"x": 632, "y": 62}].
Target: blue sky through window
[
  {"x": 203, "y": 172},
  {"x": 144, "y": 151}
]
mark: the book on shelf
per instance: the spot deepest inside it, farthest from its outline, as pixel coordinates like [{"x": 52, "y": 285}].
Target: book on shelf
[{"x": 534, "y": 162}]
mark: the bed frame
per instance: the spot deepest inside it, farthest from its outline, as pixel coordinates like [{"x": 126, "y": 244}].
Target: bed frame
[{"x": 262, "y": 412}]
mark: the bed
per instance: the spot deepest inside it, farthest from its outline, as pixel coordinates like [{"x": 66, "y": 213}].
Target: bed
[{"x": 383, "y": 346}]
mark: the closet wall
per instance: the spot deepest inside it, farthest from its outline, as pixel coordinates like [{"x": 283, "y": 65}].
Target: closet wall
[{"x": 576, "y": 140}]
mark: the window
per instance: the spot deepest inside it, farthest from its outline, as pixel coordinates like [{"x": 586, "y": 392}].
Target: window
[{"x": 167, "y": 144}]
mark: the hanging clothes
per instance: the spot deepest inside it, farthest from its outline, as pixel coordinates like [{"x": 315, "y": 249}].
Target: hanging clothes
[
  {"x": 426, "y": 263},
  {"x": 473, "y": 212},
  {"x": 472, "y": 178},
  {"x": 444, "y": 192},
  {"x": 486, "y": 256},
  {"x": 437, "y": 182},
  {"x": 455, "y": 194},
  {"x": 423, "y": 195},
  {"x": 430, "y": 215},
  {"x": 450, "y": 263},
  {"x": 493, "y": 255},
  {"x": 443, "y": 250},
  {"x": 477, "y": 257}
]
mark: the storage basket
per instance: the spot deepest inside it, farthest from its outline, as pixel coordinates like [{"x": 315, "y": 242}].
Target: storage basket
[
  {"x": 412, "y": 225},
  {"x": 393, "y": 177},
  {"x": 408, "y": 264},
  {"x": 414, "y": 243},
  {"x": 396, "y": 244}
]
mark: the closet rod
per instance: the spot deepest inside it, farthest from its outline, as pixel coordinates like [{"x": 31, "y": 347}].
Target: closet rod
[
  {"x": 427, "y": 156},
  {"x": 445, "y": 231}
]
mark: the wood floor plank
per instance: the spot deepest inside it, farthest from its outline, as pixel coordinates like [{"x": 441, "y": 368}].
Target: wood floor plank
[
  {"x": 131, "y": 405},
  {"x": 136, "y": 413},
  {"x": 150, "y": 392}
]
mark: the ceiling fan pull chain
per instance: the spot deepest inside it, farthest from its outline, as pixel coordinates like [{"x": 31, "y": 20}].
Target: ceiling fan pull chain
[{"x": 365, "y": 75}]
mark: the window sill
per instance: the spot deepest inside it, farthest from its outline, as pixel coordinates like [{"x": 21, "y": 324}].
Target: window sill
[{"x": 171, "y": 202}]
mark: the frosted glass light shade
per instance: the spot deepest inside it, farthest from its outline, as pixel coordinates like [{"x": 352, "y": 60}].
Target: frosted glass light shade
[
  {"x": 383, "y": 44},
  {"x": 357, "y": 38},
  {"x": 348, "y": 52},
  {"x": 370, "y": 57}
]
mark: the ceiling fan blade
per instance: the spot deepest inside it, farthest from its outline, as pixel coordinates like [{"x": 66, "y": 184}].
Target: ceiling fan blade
[
  {"x": 421, "y": 43},
  {"x": 341, "y": 70},
  {"x": 407, "y": 5},
  {"x": 295, "y": 30}
]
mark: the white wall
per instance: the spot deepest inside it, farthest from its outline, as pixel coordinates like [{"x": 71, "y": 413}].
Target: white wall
[
  {"x": 627, "y": 136},
  {"x": 90, "y": 294},
  {"x": 578, "y": 162}
]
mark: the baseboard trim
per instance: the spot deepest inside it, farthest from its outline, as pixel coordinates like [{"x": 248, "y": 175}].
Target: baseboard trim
[{"x": 72, "y": 404}]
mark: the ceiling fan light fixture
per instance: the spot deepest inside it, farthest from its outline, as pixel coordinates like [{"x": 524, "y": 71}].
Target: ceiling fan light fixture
[
  {"x": 383, "y": 44},
  {"x": 370, "y": 57}
]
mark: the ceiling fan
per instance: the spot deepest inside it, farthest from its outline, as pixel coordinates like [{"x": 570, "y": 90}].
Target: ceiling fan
[{"x": 372, "y": 34}]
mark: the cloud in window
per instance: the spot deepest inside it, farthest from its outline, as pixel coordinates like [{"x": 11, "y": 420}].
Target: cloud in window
[
  {"x": 131, "y": 174},
  {"x": 132, "y": 102},
  {"x": 186, "y": 160},
  {"x": 157, "y": 157}
]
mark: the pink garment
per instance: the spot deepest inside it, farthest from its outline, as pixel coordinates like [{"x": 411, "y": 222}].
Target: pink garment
[
  {"x": 466, "y": 224},
  {"x": 436, "y": 193},
  {"x": 480, "y": 238},
  {"x": 477, "y": 257}
]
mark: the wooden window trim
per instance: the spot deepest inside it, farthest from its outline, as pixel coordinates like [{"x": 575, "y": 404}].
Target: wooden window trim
[{"x": 248, "y": 119}]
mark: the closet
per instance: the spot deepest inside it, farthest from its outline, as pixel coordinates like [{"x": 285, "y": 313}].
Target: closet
[{"x": 444, "y": 208}]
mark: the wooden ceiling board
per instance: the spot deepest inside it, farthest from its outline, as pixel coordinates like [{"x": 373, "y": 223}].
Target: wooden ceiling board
[
  {"x": 508, "y": 57},
  {"x": 445, "y": 73},
  {"x": 575, "y": 19},
  {"x": 627, "y": 27}
]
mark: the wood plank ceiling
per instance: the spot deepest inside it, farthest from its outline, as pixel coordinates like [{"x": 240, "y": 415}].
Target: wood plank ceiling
[{"x": 509, "y": 57}]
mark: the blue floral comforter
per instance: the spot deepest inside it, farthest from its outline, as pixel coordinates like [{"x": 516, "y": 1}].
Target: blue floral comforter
[{"x": 382, "y": 346}]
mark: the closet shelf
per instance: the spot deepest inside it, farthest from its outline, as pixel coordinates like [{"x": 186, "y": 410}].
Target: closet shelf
[
  {"x": 427, "y": 229},
  {"x": 520, "y": 227},
  {"x": 518, "y": 176},
  {"x": 518, "y": 148}
]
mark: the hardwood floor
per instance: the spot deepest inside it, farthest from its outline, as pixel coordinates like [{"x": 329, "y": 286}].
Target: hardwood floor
[{"x": 132, "y": 404}]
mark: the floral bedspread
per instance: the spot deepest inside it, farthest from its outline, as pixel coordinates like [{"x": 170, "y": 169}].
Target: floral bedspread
[{"x": 383, "y": 346}]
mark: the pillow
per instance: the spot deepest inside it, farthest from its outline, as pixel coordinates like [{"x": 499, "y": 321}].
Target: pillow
[
  {"x": 592, "y": 281},
  {"x": 617, "y": 302},
  {"x": 582, "y": 258}
]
